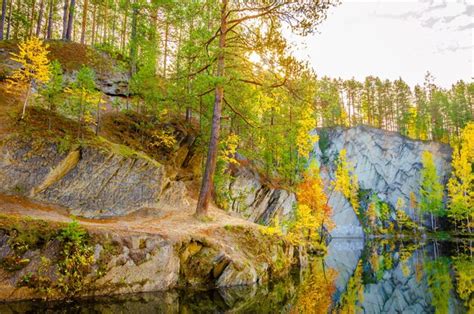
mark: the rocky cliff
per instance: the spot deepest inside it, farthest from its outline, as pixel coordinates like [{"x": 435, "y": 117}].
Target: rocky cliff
[
  {"x": 93, "y": 182},
  {"x": 386, "y": 164},
  {"x": 95, "y": 177}
]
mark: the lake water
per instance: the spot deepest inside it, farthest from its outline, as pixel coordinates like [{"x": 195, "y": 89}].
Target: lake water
[{"x": 378, "y": 276}]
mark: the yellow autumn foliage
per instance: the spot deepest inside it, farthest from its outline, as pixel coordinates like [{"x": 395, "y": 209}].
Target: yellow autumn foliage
[
  {"x": 304, "y": 138},
  {"x": 34, "y": 67},
  {"x": 230, "y": 145},
  {"x": 461, "y": 183},
  {"x": 346, "y": 181}
]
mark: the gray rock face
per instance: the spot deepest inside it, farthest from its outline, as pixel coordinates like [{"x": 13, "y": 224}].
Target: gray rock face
[
  {"x": 96, "y": 184},
  {"x": 345, "y": 220},
  {"x": 385, "y": 163},
  {"x": 256, "y": 201}
]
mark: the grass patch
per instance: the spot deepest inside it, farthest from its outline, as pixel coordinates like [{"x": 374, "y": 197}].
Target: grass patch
[{"x": 121, "y": 150}]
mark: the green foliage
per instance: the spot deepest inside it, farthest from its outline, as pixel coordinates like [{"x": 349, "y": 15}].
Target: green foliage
[
  {"x": 431, "y": 190},
  {"x": 439, "y": 283},
  {"x": 83, "y": 98},
  {"x": 74, "y": 261},
  {"x": 65, "y": 143},
  {"x": 76, "y": 258},
  {"x": 404, "y": 221},
  {"x": 53, "y": 89},
  {"x": 324, "y": 143},
  {"x": 464, "y": 270}
]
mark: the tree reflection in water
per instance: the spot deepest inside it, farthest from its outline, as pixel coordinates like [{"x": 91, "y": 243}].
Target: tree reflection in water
[{"x": 385, "y": 276}]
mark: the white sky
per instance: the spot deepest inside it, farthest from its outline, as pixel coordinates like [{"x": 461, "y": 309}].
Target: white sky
[{"x": 392, "y": 39}]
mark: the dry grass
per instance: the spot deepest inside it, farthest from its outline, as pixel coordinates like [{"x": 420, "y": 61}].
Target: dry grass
[
  {"x": 72, "y": 56},
  {"x": 136, "y": 131}
]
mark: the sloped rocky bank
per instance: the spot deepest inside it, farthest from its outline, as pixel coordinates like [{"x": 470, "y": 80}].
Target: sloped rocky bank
[{"x": 137, "y": 253}]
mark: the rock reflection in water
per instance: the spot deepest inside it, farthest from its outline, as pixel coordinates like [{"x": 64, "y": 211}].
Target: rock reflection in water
[
  {"x": 376, "y": 277},
  {"x": 405, "y": 277}
]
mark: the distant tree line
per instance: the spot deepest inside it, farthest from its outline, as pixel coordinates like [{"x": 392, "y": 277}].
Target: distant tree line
[{"x": 426, "y": 112}]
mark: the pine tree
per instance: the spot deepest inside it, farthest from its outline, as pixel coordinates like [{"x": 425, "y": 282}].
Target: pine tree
[
  {"x": 431, "y": 190},
  {"x": 54, "y": 88},
  {"x": 84, "y": 97}
]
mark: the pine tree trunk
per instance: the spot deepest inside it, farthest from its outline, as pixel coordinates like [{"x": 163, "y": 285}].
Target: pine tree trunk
[
  {"x": 133, "y": 42},
  {"x": 124, "y": 28},
  {"x": 10, "y": 8},
  {"x": 16, "y": 27},
  {"x": 65, "y": 13},
  {"x": 2, "y": 19},
  {"x": 210, "y": 168},
  {"x": 50, "y": 19},
  {"x": 40, "y": 18},
  {"x": 93, "y": 24},
  {"x": 70, "y": 21},
  {"x": 106, "y": 17},
  {"x": 32, "y": 19},
  {"x": 84, "y": 21},
  {"x": 165, "y": 55},
  {"x": 114, "y": 19}
]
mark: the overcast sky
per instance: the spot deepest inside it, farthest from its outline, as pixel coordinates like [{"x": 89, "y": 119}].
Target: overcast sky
[{"x": 394, "y": 38}]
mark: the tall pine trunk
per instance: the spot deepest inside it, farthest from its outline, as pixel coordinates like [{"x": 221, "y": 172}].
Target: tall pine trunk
[
  {"x": 2, "y": 19},
  {"x": 94, "y": 24},
  {"x": 70, "y": 20},
  {"x": 10, "y": 9},
  {"x": 165, "y": 54},
  {"x": 133, "y": 42},
  {"x": 106, "y": 18},
  {"x": 32, "y": 19},
  {"x": 49, "y": 32},
  {"x": 84, "y": 21},
  {"x": 40, "y": 18},
  {"x": 210, "y": 168},
  {"x": 65, "y": 13}
]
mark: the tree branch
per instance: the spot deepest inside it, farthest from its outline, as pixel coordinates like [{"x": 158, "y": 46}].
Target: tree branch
[{"x": 238, "y": 113}]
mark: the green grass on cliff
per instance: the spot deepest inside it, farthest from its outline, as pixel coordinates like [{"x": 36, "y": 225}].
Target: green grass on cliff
[{"x": 42, "y": 127}]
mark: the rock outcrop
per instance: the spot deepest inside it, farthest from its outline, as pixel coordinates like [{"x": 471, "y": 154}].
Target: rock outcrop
[
  {"x": 202, "y": 257},
  {"x": 257, "y": 201},
  {"x": 95, "y": 183},
  {"x": 111, "y": 79},
  {"x": 386, "y": 164}
]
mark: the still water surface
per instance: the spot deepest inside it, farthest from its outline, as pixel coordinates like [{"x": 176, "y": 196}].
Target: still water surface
[{"x": 377, "y": 276}]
